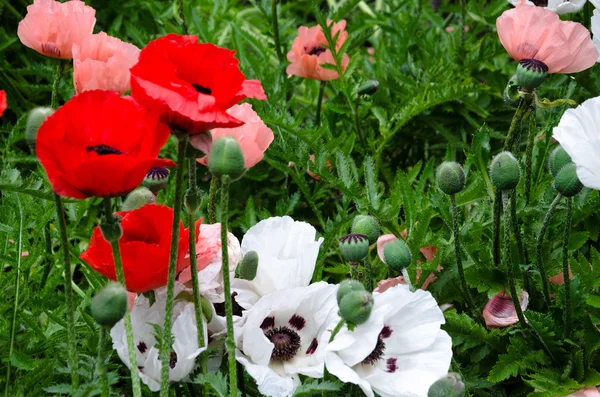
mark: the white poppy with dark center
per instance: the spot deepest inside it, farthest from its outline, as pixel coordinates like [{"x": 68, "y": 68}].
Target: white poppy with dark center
[
  {"x": 399, "y": 351},
  {"x": 596, "y": 26},
  {"x": 284, "y": 335},
  {"x": 558, "y": 6}
]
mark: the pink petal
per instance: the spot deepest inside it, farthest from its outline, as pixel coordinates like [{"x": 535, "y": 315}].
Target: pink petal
[{"x": 500, "y": 311}]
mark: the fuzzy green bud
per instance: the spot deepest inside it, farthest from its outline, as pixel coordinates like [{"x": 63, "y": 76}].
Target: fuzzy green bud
[
  {"x": 567, "y": 182},
  {"x": 531, "y": 73},
  {"x": 156, "y": 179},
  {"x": 207, "y": 309},
  {"x": 450, "y": 177},
  {"x": 109, "y": 305},
  {"x": 367, "y": 225},
  {"x": 505, "y": 171},
  {"x": 397, "y": 255},
  {"x": 558, "y": 158},
  {"x": 35, "y": 119},
  {"x": 348, "y": 286},
  {"x": 249, "y": 266},
  {"x": 354, "y": 247},
  {"x": 226, "y": 158},
  {"x": 111, "y": 232},
  {"x": 356, "y": 307},
  {"x": 193, "y": 200},
  {"x": 369, "y": 87},
  {"x": 138, "y": 198},
  {"x": 511, "y": 92},
  {"x": 450, "y": 385}
]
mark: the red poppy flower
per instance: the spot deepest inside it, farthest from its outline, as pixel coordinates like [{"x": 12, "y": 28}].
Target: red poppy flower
[
  {"x": 3, "y": 104},
  {"x": 99, "y": 144},
  {"x": 145, "y": 247},
  {"x": 191, "y": 85}
]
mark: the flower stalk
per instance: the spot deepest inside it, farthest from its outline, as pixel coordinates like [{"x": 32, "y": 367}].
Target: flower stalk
[
  {"x": 212, "y": 200},
  {"x": 60, "y": 69},
  {"x": 275, "y": 23},
  {"x": 101, "y": 362},
  {"x": 540, "y": 243},
  {"x": 320, "y": 102},
  {"x": 529, "y": 154},
  {"x": 567, "y": 283},
  {"x": 368, "y": 274}
]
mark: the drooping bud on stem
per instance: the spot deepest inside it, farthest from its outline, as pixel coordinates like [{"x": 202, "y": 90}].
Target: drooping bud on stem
[
  {"x": 109, "y": 305},
  {"x": 138, "y": 198},
  {"x": 567, "y": 182},
  {"x": 558, "y": 158},
  {"x": 367, "y": 225},
  {"x": 356, "y": 307}
]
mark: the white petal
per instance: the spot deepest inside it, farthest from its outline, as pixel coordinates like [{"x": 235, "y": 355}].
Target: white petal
[{"x": 269, "y": 382}]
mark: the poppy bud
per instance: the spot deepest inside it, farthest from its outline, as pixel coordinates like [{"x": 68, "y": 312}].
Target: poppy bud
[
  {"x": 505, "y": 171},
  {"x": 567, "y": 182},
  {"x": 226, "y": 158},
  {"x": 109, "y": 305},
  {"x": 156, "y": 179},
  {"x": 450, "y": 385},
  {"x": 43, "y": 320},
  {"x": 138, "y": 198},
  {"x": 367, "y": 225},
  {"x": 356, "y": 307},
  {"x": 207, "y": 309},
  {"x": 558, "y": 158},
  {"x": 369, "y": 87},
  {"x": 348, "y": 286},
  {"x": 111, "y": 232},
  {"x": 35, "y": 120},
  {"x": 397, "y": 255},
  {"x": 511, "y": 92},
  {"x": 193, "y": 200},
  {"x": 249, "y": 266},
  {"x": 354, "y": 247},
  {"x": 531, "y": 73},
  {"x": 450, "y": 177}
]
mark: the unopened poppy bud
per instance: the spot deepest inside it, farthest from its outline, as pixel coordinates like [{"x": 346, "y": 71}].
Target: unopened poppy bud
[
  {"x": 43, "y": 320},
  {"x": 207, "y": 309},
  {"x": 111, "y": 232},
  {"x": 567, "y": 182},
  {"x": 558, "y": 158},
  {"x": 109, "y": 305},
  {"x": 531, "y": 73},
  {"x": 348, "y": 286},
  {"x": 138, "y": 198},
  {"x": 511, "y": 92},
  {"x": 193, "y": 200},
  {"x": 156, "y": 179},
  {"x": 226, "y": 158},
  {"x": 367, "y": 225},
  {"x": 397, "y": 255},
  {"x": 249, "y": 266},
  {"x": 505, "y": 171},
  {"x": 369, "y": 87},
  {"x": 450, "y": 177},
  {"x": 356, "y": 307},
  {"x": 354, "y": 247},
  {"x": 450, "y": 385},
  {"x": 35, "y": 120}
]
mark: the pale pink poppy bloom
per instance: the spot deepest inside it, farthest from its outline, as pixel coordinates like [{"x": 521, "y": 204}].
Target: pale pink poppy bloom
[
  {"x": 24, "y": 254},
  {"x": 534, "y": 33},
  {"x": 102, "y": 62},
  {"x": 309, "y": 52},
  {"x": 253, "y": 136},
  {"x": 559, "y": 278},
  {"x": 500, "y": 311},
  {"x": 588, "y": 391},
  {"x": 52, "y": 28}
]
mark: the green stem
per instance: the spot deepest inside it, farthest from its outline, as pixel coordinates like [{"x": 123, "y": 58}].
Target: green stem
[
  {"x": 276, "y": 31},
  {"x": 320, "y": 102},
  {"x": 229, "y": 343},
  {"x": 336, "y": 330},
  {"x": 516, "y": 229},
  {"x": 531, "y": 133},
  {"x": 101, "y": 362},
  {"x": 496, "y": 227},
  {"x": 212, "y": 200},
  {"x": 459, "y": 265},
  {"x": 361, "y": 138},
  {"x": 181, "y": 5},
  {"x": 407, "y": 279},
  {"x": 516, "y": 121},
  {"x": 60, "y": 68},
  {"x": 64, "y": 242},
  {"x": 165, "y": 350},
  {"x": 510, "y": 267},
  {"x": 49, "y": 259},
  {"x": 368, "y": 274},
  {"x": 463, "y": 18},
  {"x": 116, "y": 251},
  {"x": 540, "y": 243},
  {"x": 565, "y": 252}
]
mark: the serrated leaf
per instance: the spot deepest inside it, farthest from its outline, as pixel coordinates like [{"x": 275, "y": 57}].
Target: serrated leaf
[
  {"x": 217, "y": 381},
  {"x": 315, "y": 387},
  {"x": 371, "y": 182}
]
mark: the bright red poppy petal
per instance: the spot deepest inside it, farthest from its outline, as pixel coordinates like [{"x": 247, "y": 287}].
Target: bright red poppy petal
[
  {"x": 145, "y": 266},
  {"x": 99, "y": 255},
  {"x": 3, "y": 103}
]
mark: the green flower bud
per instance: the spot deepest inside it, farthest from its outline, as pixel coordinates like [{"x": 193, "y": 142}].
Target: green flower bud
[
  {"x": 450, "y": 385},
  {"x": 138, "y": 198},
  {"x": 369, "y": 87},
  {"x": 109, "y": 305},
  {"x": 207, "y": 309},
  {"x": 348, "y": 286},
  {"x": 511, "y": 92},
  {"x": 111, "y": 232},
  {"x": 35, "y": 120},
  {"x": 356, "y": 307},
  {"x": 531, "y": 73},
  {"x": 567, "y": 182},
  {"x": 226, "y": 158},
  {"x": 156, "y": 179},
  {"x": 249, "y": 266},
  {"x": 354, "y": 247},
  {"x": 367, "y": 225},
  {"x": 505, "y": 171},
  {"x": 43, "y": 320},
  {"x": 193, "y": 200},
  {"x": 558, "y": 158},
  {"x": 450, "y": 177},
  {"x": 397, "y": 255}
]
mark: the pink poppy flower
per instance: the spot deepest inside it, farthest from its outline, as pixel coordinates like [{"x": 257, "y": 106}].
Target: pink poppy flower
[
  {"x": 534, "y": 33},
  {"x": 384, "y": 285},
  {"x": 588, "y": 391},
  {"x": 102, "y": 62},
  {"x": 254, "y": 136},
  {"x": 500, "y": 311},
  {"x": 309, "y": 52},
  {"x": 52, "y": 28}
]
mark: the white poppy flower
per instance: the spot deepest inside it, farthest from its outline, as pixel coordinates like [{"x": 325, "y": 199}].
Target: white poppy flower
[
  {"x": 558, "y": 6},
  {"x": 185, "y": 345},
  {"x": 287, "y": 254},
  {"x": 285, "y": 334},
  {"x": 596, "y": 27},
  {"x": 399, "y": 351},
  {"x": 579, "y": 134}
]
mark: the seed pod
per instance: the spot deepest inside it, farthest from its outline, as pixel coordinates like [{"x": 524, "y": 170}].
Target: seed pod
[
  {"x": 156, "y": 179},
  {"x": 531, "y": 73},
  {"x": 354, "y": 247}
]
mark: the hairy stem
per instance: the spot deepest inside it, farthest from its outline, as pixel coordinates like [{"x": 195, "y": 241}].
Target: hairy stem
[
  {"x": 406, "y": 277},
  {"x": 184, "y": 26},
  {"x": 275, "y": 23},
  {"x": 101, "y": 362},
  {"x": 540, "y": 242},
  {"x": 565, "y": 265},
  {"x": 320, "y": 102},
  {"x": 354, "y": 107},
  {"x": 531, "y": 133},
  {"x": 60, "y": 69},
  {"x": 49, "y": 258},
  {"x": 368, "y": 274},
  {"x": 212, "y": 200}
]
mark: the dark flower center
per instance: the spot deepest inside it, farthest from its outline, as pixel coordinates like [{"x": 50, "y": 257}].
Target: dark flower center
[
  {"x": 377, "y": 353},
  {"x": 158, "y": 173},
  {"x": 142, "y": 347},
  {"x": 534, "y": 64},
  {"x": 316, "y": 51},
  {"x": 286, "y": 343},
  {"x": 103, "y": 150},
  {"x": 202, "y": 89},
  {"x": 541, "y": 3},
  {"x": 353, "y": 238},
  {"x": 173, "y": 360},
  {"x": 237, "y": 309}
]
